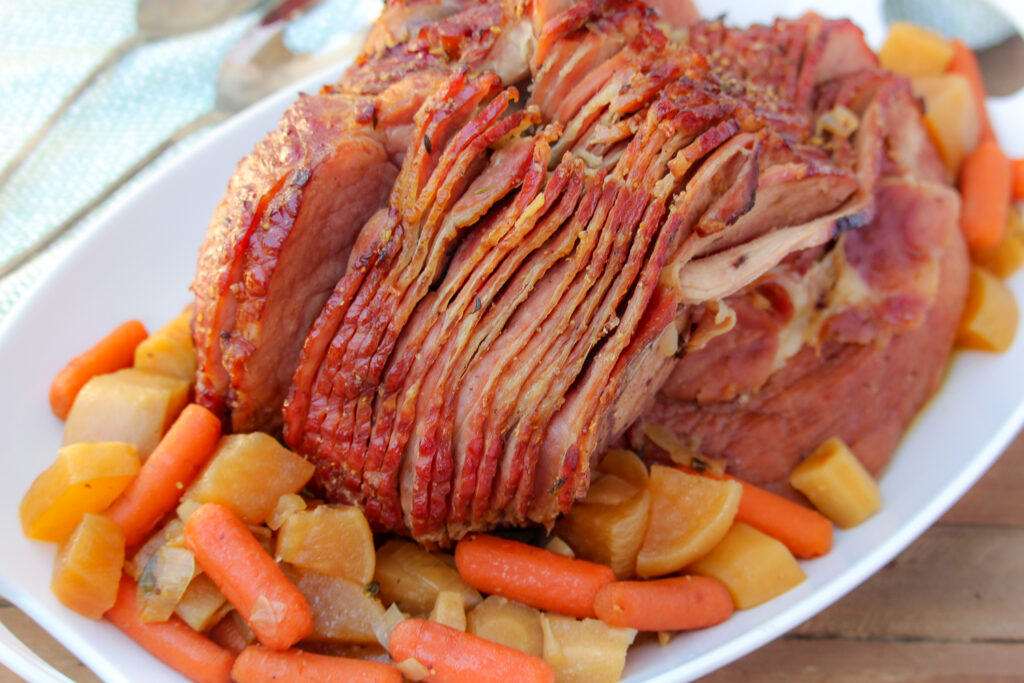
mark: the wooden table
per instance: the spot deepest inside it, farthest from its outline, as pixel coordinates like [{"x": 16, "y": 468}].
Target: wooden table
[{"x": 951, "y": 607}]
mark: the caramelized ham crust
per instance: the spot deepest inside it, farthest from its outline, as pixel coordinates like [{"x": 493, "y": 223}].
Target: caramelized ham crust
[{"x": 472, "y": 264}]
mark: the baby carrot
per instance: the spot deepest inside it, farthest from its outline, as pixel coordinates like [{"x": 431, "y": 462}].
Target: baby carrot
[
  {"x": 170, "y": 468},
  {"x": 453, "y": 656},
  {"x": 173, "y": 642},
  {"x": 985, "y": 187},
  {"x": 536, "y": 577},
  {"x": 113, "y": 352},
  {"x": 806, "y": 532},
  {"x": 259, "y": 665},
  {"x": 1018, "y": 179},
  {"x": 966, "y": 64},
  {"x": 248, "y": 576},
  {"x": 673, "y": 604}
]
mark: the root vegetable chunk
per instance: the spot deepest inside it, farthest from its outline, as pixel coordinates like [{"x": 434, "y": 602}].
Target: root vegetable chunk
[
  {"x": 85, "y": 478},
  {"x": 950, "y": 116},
  {"x": 914, "y": 51},
  {"x": 1005, "y": 258},
  {"x": 169, "y": 350},
  {"x": 835, "y": 481},
  {"x": 449, "y": 610},
  {"x": 752, "y": 565},
  {"x": 689, "y": 515},
  {"x": 990, "y": 317},
  {"x": 87, "y": 570},
  {"x": 130, "y": 405},
  {"x": 509, "y": 623},
  {"x": 585, "y": 651},
  {"x": 249, "y": 473},
  {"x": 343, "y": 611},
  {"x": 332, "y": 539},
  {"x": 412, "y": 577}
]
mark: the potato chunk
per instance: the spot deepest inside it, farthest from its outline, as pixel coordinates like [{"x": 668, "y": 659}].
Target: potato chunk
[
  {"x": 509, "y": 623},
  {"x": 836, "y": 483},
  {"x": 343, "y": 611},
  {"x": 202, "y": 605},
  {"x": 332, "y": 539},
  {"x": 911, "y": 50},
  {"x": 689, "y": 515},
  {"x": 951, "y": 116},
  {"x": 989, "y": 321},
  {"x": 130, "y": 405},
  {"x": 753, "y": 566},
  {"x": 85, "y": 478},
  {"x": 608, "y": 526},
  {"x": 169, "y": 350},
  {"x": 584, "y": 651},
  {"x": 449, "y": 610},
  {"x": 1005, "y": 258},
  {"x": 412, "y": 577},
  {"x": 249, "y": 473},
  {"x": 87, "y": 570}
]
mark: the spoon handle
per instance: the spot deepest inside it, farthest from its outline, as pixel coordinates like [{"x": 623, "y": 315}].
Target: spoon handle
[
  {"x": 114, "y": 56},
  {"x": 50, "y": 236}
]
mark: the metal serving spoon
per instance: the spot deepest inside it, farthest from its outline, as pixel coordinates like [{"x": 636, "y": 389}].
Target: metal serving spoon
[
  {"x": 257, "y": 65},
  {"x": 156, "y": 19}
]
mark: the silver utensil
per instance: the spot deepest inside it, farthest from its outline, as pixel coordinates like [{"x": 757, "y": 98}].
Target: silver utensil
[
  {"x": 155, "y": 20},
  {"x": 257, "y": 65}
]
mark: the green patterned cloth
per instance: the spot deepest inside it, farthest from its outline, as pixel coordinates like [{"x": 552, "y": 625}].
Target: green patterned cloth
[{"x": 46, "y": 47}]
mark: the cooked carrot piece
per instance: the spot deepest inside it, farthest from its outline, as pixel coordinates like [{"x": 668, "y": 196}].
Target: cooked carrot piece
[
  {"x": 533, "y": 576},
  {"x": 172, "y": 641},
  {"x": 452, "y": 656},
  {"x": 985, "y": 188},
  {"x": 1018, "y": 179},
  {"x": 170, "y": 468},
  {"x": 113, "y": 352},
  {"x": 248, "y": 576},
  {"x": 966, "y": 64},
  {"x": 806, "y": 532},
  {"x": 259, "y": 665},
  {"x": 673, "y": 604}
]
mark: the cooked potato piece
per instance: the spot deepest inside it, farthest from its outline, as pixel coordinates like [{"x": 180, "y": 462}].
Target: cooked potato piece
[
  {"x": 343, "y": 611},
  {"x": 509, "y": 623},
  {"x": 169, "y": 350},
  {"x": 202, "y": 605},
  {"x": 1005, "y": 258},
  {"x": 989, "y": 321},
  {"x": 753, "y": 566},
  {"x": 87, "y": 570},
  {"x": 332, "y": 539},
  {"x": 412, "y": 577},
  {"x": 84, "y": 478},
  {"x": 836, "y": 483},
  {"x": 689, "y": 515},
  {"x": 449, "y": 610},
  {"x": 287, "y": 505},
  {"x": 911, "y": 50},
  {"x": 249, "y": 473},
  {"x": 584, "y": 651},
  {"x": 130, "y": 405},
  {"x": 951, "y": 116}
]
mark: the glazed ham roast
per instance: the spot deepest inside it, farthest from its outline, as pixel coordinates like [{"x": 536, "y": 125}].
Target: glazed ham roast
[{"x": 513, "y": 230}]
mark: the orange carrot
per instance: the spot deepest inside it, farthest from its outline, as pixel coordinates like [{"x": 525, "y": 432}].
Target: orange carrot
[
  {"x": 452, "y": 656},
  {"x": 806, "y": 532},
  {"x": 173, "y": 642},
  {"x": 985, "y": 187},
  {"x": 966, "y": 64},
  {"x": 1018, "y": 179},
  {"x": 169, "y": 469},
  {"x": 259, "y": 665},
  {"x": 534, "y": 576},
  {"x": 248, "y": 576},
  {"x": 673, "y": 604},
  {"x": 113, "y": 352}
]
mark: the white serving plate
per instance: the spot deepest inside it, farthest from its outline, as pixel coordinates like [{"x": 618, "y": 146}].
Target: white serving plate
[{"x": 139, "y": 260}]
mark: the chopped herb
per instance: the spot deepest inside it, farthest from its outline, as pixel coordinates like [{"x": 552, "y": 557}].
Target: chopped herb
[
  {"x": 476, "y": 303},
  {"x": 557, "y": 486},
  {"x": 375, "y": 118},
  {"x": 426, "y": 144},
  {"x": 699, "y": 466},
  {"x": 373, "y": 588}
]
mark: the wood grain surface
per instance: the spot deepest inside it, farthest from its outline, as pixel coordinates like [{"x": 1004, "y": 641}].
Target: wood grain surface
[{"x": 949, "y": 608}]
